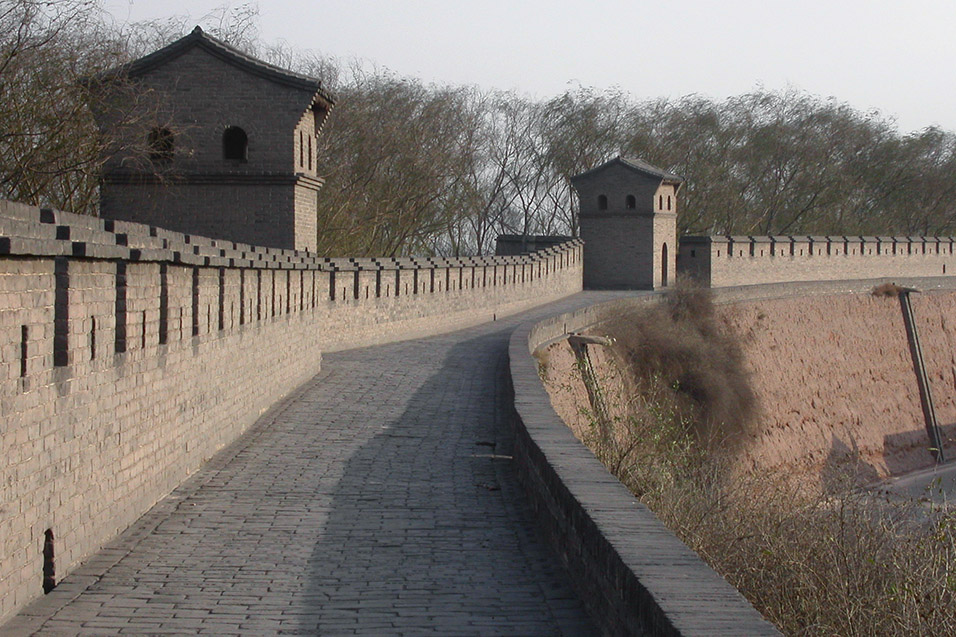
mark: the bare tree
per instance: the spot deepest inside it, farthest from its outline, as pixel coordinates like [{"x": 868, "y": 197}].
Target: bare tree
[{"x": 52, "y": 59}]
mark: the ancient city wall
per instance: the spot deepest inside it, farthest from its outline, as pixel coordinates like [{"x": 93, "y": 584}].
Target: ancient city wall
[
  {"x": 130, "y": 354},
  {"x": 731, "y": 261},
  {"x": 633, "y": 574},
  {"x": 831, "y": 365}
]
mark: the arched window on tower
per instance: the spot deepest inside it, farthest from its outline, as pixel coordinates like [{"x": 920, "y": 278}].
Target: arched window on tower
[
  {"x": 235, "y": 144},
  {"x": 668, "y": 202},
  {"x": 660, "y": 202},
  {"x": 602, "y": 202},
  {"x": 630, "y": 203},
  {"x": 160, "y": 142}
]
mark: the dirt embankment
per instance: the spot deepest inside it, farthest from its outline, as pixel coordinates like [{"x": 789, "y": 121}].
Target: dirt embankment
[{"x": 834, "y": 379}]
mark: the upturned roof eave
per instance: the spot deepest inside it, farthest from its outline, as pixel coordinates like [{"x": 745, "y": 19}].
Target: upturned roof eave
[
  {"x": 228, "y": 54},
  {"x": 636, "y": 165}
]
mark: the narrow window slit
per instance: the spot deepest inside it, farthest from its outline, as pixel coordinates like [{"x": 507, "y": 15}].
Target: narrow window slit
[
  {"x": 24, "y": 338},
  {"x": 222, "y": 299},
  {"x": 49, "y": 566}
]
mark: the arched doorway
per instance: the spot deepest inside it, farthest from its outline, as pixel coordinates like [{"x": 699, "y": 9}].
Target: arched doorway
[{"x": 664, "y": 266}]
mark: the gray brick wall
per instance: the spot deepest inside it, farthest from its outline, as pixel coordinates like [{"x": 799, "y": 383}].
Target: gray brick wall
[
  {"x": 245, "y": 209},
  {"x": 123, "y": 370}
]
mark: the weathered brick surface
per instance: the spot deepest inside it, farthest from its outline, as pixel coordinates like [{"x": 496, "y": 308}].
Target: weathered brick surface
[
  {"x": 734, "y": 261},
  {"x": 378, "y": 499},
  {"x": 245, "y": 211},
  {"x": 626, "y": 218},
  {"x": 268, "y": 197},
  {"x": 121, "y": 376}
]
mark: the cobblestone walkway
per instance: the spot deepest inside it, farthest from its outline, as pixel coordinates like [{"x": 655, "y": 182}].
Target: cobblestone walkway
[{"x": 379, "y": 499}]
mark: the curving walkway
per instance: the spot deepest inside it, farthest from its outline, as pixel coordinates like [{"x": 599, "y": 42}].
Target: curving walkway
[{"x": 378, "y": 499}]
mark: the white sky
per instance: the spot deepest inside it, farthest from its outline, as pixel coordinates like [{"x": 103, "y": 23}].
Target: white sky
[{"x": 896, "y": 56}]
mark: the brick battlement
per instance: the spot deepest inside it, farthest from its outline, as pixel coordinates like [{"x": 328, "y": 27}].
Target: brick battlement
[
  {"x": 130, "y": 354},
  {"x": 720, "y": 261}
]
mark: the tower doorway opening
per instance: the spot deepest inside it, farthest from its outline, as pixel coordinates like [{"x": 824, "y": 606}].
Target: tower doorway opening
[{"x": 664, "y": 266}]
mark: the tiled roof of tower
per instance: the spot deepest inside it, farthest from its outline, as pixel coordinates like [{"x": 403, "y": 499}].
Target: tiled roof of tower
[
  {"x": 229, "y": 54},
  {"x": 638, "y": 165},
  {"x": 643, "y": 166}
]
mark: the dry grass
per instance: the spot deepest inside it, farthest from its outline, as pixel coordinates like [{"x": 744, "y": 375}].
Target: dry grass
[
  {"x": 887, "y": 289},
  {"x": 849, "y": 563}
]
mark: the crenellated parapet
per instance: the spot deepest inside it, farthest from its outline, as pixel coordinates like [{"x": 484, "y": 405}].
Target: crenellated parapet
[
  {"x": 130, "y": 354},
  {"x": 722, "y": 261}
]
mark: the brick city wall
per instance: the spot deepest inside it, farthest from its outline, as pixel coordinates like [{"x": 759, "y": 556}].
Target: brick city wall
[
  {"x": 130, "y": 354},
  {"x": 733, "y": 261}
]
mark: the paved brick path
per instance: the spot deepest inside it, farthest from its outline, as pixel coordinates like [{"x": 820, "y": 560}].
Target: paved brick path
[{"x": 379, "y": 499}]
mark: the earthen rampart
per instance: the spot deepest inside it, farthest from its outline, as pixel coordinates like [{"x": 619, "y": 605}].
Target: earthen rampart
[
  {"x": 719, "y": 261},
  {"x": 131, "y": 354}
]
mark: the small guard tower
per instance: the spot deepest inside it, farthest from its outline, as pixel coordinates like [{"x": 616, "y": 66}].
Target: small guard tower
[
  {"x": 232, "y": 148},
  {"x": 628, "y": 220}
]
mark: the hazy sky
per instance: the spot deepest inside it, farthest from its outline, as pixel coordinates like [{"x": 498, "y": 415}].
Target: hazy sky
[{"x": 894, "y": 56}]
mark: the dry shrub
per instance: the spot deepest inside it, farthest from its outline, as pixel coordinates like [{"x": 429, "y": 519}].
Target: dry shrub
[
  {"x": 887, "y": 289},
  {"x": 852, "y": 564},
  {"x": 849, "y": 562},
  {"x": 679, "y": 344}
]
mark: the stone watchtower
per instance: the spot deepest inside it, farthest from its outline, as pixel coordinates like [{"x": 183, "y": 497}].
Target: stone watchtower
[
  {"x": 628, "y": 220},
  {"x": 231, "y": 147}
]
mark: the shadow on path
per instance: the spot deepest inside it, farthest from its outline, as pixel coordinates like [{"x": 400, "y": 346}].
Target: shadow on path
[
  {"x": 427, "y": 532},
  {"x": 376, "y": 499}
]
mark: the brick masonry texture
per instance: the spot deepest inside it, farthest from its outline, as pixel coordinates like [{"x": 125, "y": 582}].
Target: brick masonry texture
[
  {"x": 628, "y": 218},
  {"x": 377, "y": 499},
  {"x": 267, "y": 197},
  {"x": 132, "y": 354},
  {"x": 733, "y": 261}
]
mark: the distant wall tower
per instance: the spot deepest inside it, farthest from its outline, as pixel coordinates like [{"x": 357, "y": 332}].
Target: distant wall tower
[{"x": 628, "y": 220}]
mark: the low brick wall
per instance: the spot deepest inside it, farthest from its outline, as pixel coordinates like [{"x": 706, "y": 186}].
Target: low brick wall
[
  {"x": 129, "y": 355},
  {"x": 634, "y": 575}
]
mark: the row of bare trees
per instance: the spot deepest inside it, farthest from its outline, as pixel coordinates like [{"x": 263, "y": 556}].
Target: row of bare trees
[
  {"x": 458, "y": 166},
  {"x": 416, "y": 169}
]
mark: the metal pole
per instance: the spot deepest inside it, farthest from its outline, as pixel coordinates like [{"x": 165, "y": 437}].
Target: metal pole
[{"x": 925, "y": 395}]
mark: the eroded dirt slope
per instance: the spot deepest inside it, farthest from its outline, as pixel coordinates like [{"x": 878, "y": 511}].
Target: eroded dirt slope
[{"x": 835, "y": 382}]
